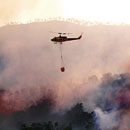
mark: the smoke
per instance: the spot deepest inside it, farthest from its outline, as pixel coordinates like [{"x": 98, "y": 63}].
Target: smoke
[
  {"x": 22, "y": 11},
  {"x": 38, "y": 112},
  {"x": 32, "y": 86},
  {"x": 112, "y": 102},
  {"x": 15, "y": 9}
]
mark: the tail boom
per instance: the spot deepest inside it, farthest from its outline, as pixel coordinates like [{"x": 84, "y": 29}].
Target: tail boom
[{"x": 69, "y": 39}]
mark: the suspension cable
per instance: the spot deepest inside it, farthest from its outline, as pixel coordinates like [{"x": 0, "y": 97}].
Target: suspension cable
[{"x": 62, "y": 61}]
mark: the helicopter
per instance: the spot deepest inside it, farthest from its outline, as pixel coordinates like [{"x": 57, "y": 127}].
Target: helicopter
[{"x": 61, "y": 39}]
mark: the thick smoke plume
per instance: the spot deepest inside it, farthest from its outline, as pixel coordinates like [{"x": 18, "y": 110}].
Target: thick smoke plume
[
  {"x": 113, "y": 102},
  {"x": 31, "y": 83}
]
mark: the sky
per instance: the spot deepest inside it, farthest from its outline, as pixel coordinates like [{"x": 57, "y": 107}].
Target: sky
[{"x": 116, "y": 11}]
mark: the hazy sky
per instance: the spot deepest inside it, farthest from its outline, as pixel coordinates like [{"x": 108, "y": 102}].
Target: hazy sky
[{"x": 99, "y": 10}]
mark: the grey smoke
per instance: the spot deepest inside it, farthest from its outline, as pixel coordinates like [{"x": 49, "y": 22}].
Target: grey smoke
[{"x": 30, "y": 68}]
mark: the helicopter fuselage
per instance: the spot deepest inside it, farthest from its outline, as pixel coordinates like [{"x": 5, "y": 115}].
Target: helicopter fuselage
[
  {"x": 64, "y": 39},
  {"x": 59, "y": 39}
]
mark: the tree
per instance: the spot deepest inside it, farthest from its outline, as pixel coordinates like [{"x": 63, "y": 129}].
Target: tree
[
  {"x": 68, "y": 127},
  {"x": 80, "y": 118},
  {"x": 41, "y": 126}
]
